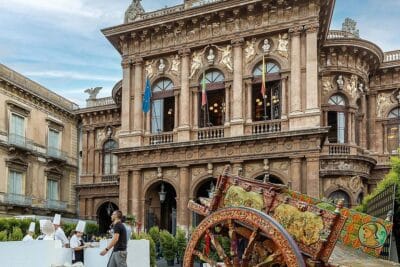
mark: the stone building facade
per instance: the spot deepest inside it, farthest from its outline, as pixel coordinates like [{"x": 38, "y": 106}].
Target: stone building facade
[
  {"x": 326, "y": 125},
  {"x": 38, "y": 149}
]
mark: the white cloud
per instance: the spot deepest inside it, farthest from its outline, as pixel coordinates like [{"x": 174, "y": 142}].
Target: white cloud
[{"x": 72, "y": 75}]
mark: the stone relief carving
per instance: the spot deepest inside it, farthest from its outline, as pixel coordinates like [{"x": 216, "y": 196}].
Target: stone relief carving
[
  {"x": 197, "y": 63},
  {"x": 283, "y": 43},
  {"x": 384, "y": 101},
  {"x": 161, "y": 66},
  {"x": 211, "y": 57},
  {"x": 150, "y": 175},
  {"x": 355, "y": 183},
  {"x": 250, "y": 50},
  {"x": 340, "y": 82},
  {"x": 266, "y": 46},
  {"x": 197, "y": 172},
  {"x": 176, "y": 62},
  {"x": 226, "y": 56},
  {"x": 149, "y": 69},
  {"x": 326, "y": 85},
  {"x": 351, "y": 86},
  {"x": 134, "y": 11}
]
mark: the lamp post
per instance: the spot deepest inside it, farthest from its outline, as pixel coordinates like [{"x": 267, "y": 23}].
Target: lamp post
[
  {"x": 109, "y": 208},
  {"x": 162, "y": 193}
]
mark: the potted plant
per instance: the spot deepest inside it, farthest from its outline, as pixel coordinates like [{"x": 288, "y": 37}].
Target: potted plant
[
  {"x": 181, "y": 243},
  {"x": 168, "y": 247}
]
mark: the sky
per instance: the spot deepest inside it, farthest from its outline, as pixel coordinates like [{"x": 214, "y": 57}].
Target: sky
[{"x": 58, "y": 43}]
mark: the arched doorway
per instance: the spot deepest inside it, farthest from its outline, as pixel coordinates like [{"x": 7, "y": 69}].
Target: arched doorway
[
  {"x": 161, "y": 213},
  {"x": 340, "y": 195},
  {"x": 270, "y": 178},
  {"x": 204, "y": 190},
  {"x": 104, "y": 216}
]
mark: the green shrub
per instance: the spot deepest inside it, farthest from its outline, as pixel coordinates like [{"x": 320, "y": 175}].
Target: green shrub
[
  {"x": 131, "y": 219},
  {"x": 92, "y": 229},
  {"x": 154, "y": 232},
  {"x": 16, "y": 234},
  {"x": 68, "y": 228},
  {"x": 181, "y": 243},
  {"x": 3, "y": 236},
  {"x": 168, "y": 245}
]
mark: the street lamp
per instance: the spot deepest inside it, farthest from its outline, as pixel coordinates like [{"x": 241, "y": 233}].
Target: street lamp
[
  {"x": 162, "y": 193},
  {"x": 109, "y": 208}
]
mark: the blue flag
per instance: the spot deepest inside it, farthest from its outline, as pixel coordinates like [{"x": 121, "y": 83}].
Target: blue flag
[{"x": 146, "y": 97}]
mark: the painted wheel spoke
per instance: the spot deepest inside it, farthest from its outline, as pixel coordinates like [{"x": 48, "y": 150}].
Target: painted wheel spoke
[
  {"x": 220, "y": 251},
  {"x": 234, "y": 243},
  {"x": 204, "y": 258},
  {"x": 249, "y": 249}
]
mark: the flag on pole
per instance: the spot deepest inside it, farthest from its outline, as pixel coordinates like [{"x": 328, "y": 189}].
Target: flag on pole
[
  {"x": 147, "y": 97},
  {"x": 203, "y": 91},
  {"x": 263, "y": 84}
]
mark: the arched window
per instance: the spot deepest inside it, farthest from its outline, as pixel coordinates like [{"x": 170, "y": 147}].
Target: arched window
[
  {"x": 340, "y": 195},
  {"x": 163, "y": 104},
  {"x": 393, "y": 134},
  {"x": 212, "y": 99},
  {"x": 266, "y": 104},
  {"x": 337, "y": 119},
  {"x": 110, "y": 160}
]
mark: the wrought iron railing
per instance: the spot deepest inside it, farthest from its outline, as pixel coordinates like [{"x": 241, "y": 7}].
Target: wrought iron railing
[
  {"x": 16, "y": 199},
  {"x": 110, "y": 178},
  {"x": 56, "y": 153},
  {"x": 266, "y": 127},
  {"x": 162, "y": 138},
  {"x": 20, "y": 141},
  {"x": 211, "y": 133},
  {"x": 338, "y": 149},
  {"x": 56, "y": 204}
]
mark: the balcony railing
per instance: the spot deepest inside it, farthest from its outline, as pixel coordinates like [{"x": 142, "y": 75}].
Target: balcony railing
[
  {"x": 110, "y": 178},
  {"x": 266, "y": 127},
  {"x": 55, "y": 204},
  {"x": 162, "y": 138},
  {"x": 392, "y": 56},
  {"x": 335, "y": 34},
  {"x": 20, "y": 141},
  {"x": 338, "y": 149},
  {"x": 211, "y": 133},
  {"x": 16, "y": 199},
  {"x": 56, "y": 153}
]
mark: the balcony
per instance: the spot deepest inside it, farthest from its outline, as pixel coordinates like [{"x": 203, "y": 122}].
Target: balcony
[
  {"x": 162, "y": 138},
  {"x": 56, "y": 153},
  {"x": 338, "y": 149},
  {"x": 211, "y": 133},
  {"x": 392, "y": 56},
  {"x": 20, "y": 141},
  {"x": 263, "y": 127},
  {"x": 112, "y": 178},
  {"x": 16, "y": 199},
  {"x": 55, "y": 204}
]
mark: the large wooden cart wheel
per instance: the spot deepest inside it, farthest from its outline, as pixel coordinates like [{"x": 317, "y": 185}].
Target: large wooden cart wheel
[{"x": 242, "y": 237}]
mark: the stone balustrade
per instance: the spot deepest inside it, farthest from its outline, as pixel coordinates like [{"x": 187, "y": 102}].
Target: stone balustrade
[
  {"x": 335, "y": 34},
  {"x": 211, "y": 133},
  {"x": 338, "y": 149},
  {"x": 266, "y": 127},
  {"x": 162, "y": 138},
  {"x": 392, "y": 56}
]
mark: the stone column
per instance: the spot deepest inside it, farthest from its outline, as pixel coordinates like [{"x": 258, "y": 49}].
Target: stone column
[
  {"x": 195, "y": 108},
  {"x": 237, "y": 92},
  {"x": 123, "y": 191},
  {"x": 363, "y": 128},
  {"x": 295, "y": 173},
  {"x": 126, "y": 96},
  {"x": 138, "y": 98},
  {"x": 228, "y": 87},
  {"x": 136, "y": 190},
  {"x": 184, "y": 188},
  {"x": 85, "y": 150},
  {"x": 89, "y": 208},
  {"x": 249, "y": 100},
  {"x": 176, "y": 111},
  {"x": 295, "y": 81},
  {"x": 91, "y": 147},
  {"x": 312, "y": 68},
  {"x": 184, "y": 99},
  {"x": 371, "y": 121},
  {"x": 313, "y": 176},
  {"x": 284, "y": 104}
]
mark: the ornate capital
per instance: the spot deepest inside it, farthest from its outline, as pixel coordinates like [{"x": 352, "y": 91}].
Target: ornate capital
[
  {"x": 296, "y": 30},
  {"x": 311, "y": 28},
  {"x": 184, "y": 52},
  {"x": 126, "y": 63},
  {"x": 237, "y": 42},
  {"x": 137, "y": 61}
]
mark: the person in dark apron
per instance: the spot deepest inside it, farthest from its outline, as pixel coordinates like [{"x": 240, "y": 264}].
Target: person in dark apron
[{"x": 76, "y": 243}]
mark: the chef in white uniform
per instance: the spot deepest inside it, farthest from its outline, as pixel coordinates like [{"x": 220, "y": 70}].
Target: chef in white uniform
[
  {"x": 31, "y": 231},
  {"x": 76, "y": 243},
  {"x": 59, "y": 234},
  {"x": 41, "y": 224}
]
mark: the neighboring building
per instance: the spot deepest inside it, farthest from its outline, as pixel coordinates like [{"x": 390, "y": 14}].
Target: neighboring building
[{"x": 38, "y": 149}]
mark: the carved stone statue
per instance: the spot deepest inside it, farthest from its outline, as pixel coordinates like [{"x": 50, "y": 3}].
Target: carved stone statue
[
  {"x": 283, "y": 43},
  {"x": 161, "y": 66},
  {"x": 197, "y": 63},
  {"x": 226, "y": 57},
  {"x": 211, "y": 57},
  {"x": 149, "y": 69},
  {"x": 361, "y": 87},
  {"x": 352, "y": 85},
  {"x": 326, "y": 85},
  {"x": 340, "y": 82},
  {"x": 176, "y": 62},
  {"x": 93, "y": 92},
  {"x": 250, "y": 49},
  {"x": 134, "y": 11},
  {"x": 266, "y": 46},
  {"x": 383, "y": 102}
]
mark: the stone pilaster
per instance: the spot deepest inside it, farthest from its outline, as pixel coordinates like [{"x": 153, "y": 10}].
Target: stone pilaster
[
  {"x": 249, "y": 100},
  {"x": 228, "y": 88},
  {"x": 184, "y": 99},
  {"x": 135, "y": 186},
  {"x": 126, "y": 96},
  {"x": 123, "y": 191},
  {"x": 89, "y": 208},
  {"x": 91, "y": 148},
  {"x": 313, "y": 176},
  {"x": 176, "y": 109},
  {"x": 363, "y": 128},
  {"x": 195, "y": 118},
  {"x": 371, "y": 121},
  {"x": 85, "y": 150},
  {"x": 284, "y": 104},
  {"x": 295, "y": 174},
  {"x": 183, "y": 219},
  {"x": 138, "y": 98},
  {"x": 237, "y": 126},
  {"x": 312, "y": 68},
  {"x": 295, "y": 77}
]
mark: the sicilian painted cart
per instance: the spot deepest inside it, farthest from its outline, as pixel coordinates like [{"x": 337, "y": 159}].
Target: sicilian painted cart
[{"x": 251, "y": 223}]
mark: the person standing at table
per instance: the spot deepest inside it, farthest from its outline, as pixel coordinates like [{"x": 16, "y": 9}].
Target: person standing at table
[
  {"x": 76, "y": 243},
  {"x": 118, "y": 242},
  {"x": 31, "y": 231},
  {"x": 59, "y": 234}
]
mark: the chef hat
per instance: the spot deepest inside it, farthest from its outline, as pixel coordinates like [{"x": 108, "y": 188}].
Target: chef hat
[
  {"x": 57, "y": 219},
  {"x": 41, "y": 223},
  {"x": 48, "y": 228},
  {"x": 80, "y": 227},
  {"x": 32, "y": 227}
]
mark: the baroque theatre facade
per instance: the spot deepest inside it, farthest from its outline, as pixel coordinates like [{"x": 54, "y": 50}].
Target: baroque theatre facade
[{"x": 326, "y": 125}]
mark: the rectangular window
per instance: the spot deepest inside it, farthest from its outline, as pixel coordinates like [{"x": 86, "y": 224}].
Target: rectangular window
[
  {"x": 341, "y": 126},
  {"x": 156, "y": 116},
  {"x": 393, "y": 139},
  {"x": 15, "y": 180},
  {"x": 17, "y": 129},
  {"x": 54, "y": 143},
  {"x": 52, "y": 190},
  {"x": 337, "y": 122}
]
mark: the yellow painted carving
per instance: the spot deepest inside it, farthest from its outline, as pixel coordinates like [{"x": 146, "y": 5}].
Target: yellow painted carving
[
  {"x": 305, "y": 227},
  {"x": 238, "y": 197}
]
